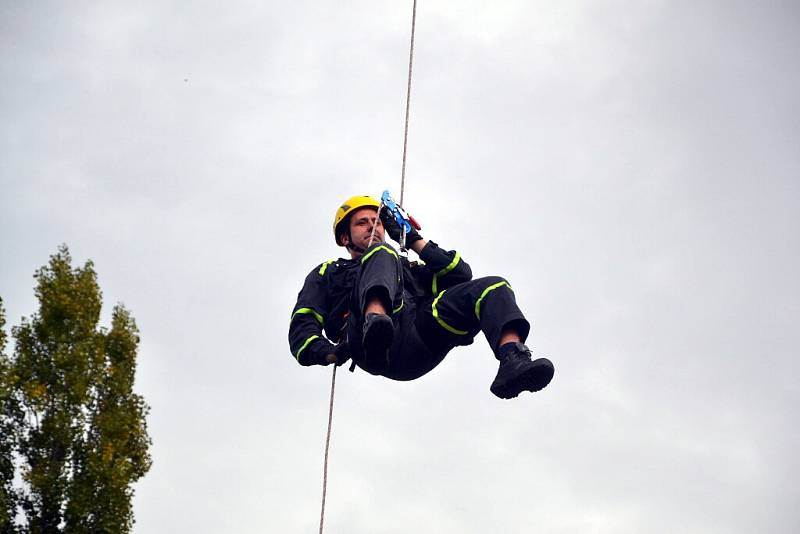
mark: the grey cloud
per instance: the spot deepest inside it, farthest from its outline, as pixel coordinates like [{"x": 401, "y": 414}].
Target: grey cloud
[{"x": 632, "y": 170}]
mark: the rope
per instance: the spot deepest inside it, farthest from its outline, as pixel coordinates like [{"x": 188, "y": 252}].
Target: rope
[
  {"x": 377, "y": 216},
  {"x": 408, "y": 101},
  {"x": 371, "y": 237},
  {"x": 327, "y": 446}
]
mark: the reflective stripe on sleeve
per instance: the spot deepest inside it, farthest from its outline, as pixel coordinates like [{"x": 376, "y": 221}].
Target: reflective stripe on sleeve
[
  {"x": 444, "y": 271},
  {"x": 309, "y": 340},
  {"x": 486, "y": 292},
  {"x": 439, "y": 319},
  {"x": 309, "y": 311}
]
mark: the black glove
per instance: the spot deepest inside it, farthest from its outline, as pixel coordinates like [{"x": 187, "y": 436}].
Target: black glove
[
  {"x": 337, "y": 354},
  {"x": 394, "y": 230}
]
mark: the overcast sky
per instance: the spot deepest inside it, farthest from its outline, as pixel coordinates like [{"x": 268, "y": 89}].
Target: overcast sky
[{"x": 632, "y": 168}]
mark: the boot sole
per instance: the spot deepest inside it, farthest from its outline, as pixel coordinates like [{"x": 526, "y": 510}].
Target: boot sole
[
  {"x": 377, "y": 340},
  {"x": 534, "y": 379}
]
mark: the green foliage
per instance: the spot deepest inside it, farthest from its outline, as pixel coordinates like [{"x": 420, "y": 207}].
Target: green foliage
[
  {"x": 80, "y": 430},
  {"x": 115, "y": 450},
  {"x": 10, "y": 417}
]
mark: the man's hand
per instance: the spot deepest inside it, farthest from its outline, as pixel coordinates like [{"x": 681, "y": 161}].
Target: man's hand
[
  {"x": 339, "y": 355},
  {"x": 391, "y": 227}
]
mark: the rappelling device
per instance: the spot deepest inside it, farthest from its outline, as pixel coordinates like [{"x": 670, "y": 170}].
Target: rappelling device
[{"x": 403, "y": 219}]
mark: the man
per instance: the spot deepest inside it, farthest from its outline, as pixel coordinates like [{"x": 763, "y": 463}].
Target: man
[{"x": 399, "y": 319}]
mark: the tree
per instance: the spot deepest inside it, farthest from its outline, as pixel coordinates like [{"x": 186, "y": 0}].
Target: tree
[
  {"x": 115, "y": 450},
  {"x": 10, "y": 417},
  {"x": 83, "y": 439}
]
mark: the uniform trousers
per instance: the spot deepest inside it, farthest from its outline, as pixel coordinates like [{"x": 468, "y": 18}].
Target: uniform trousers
[{"x": 427, "y": 327}]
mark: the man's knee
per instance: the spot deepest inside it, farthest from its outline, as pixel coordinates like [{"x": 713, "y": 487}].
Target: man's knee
[
  {"x": 488, "y": 288},
  {"x": 381, "y": 245},
  {"x": 379, "y": 250},
  {"x": 487, "y": 281}
]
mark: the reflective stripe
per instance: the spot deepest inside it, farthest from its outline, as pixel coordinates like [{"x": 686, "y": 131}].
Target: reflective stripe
[
  {"x": 309, "y": 340},
  {"x": 486, "y": 292},
  {"x": 444, "y": 271},
  {"x": 376, "y": 249},
  {"x": 309, "y": 311},
  {"x": 439, "y": 319},
  {"x": 399, "y": 307},
  {"x": 324, "y": 267}
]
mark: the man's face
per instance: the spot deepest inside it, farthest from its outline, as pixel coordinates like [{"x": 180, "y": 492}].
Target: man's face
[{"x": 361, "y": 223}]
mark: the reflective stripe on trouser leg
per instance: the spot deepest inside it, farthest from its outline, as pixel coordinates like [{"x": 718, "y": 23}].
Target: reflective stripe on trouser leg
[
  {"x": 485, "y": 304},
  {"x": 380, "y": 268},
  {"x": 496, "y": 307},
  {"x": 440, "y": 319}
]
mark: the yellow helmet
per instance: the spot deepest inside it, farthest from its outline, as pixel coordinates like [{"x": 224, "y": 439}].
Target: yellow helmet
[{"x": 349, "y": 206}]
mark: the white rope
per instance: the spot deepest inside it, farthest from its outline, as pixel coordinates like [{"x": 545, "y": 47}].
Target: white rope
[
  {"x": 408, "y": 101},
  {"x": 377, "y": 216},
  {"x": 371, "y": 238},
  {"x": 327, "y": 446}
]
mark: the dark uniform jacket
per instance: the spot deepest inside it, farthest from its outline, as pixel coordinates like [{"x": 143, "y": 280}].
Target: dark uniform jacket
[{"x": 327, "y": 302}]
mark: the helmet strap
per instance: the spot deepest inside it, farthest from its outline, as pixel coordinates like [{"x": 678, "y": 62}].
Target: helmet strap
[
  {"x": 351, "y": 246},
  {"x": 356, "y": 248}
]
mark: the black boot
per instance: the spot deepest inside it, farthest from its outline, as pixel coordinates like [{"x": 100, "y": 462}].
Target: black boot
[
  {"x": 378, "y": 336},
  {"x": 518, "y": 373}
]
